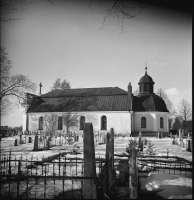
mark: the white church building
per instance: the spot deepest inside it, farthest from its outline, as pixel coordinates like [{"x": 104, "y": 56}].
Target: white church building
[{"x": 105, "y": 108}]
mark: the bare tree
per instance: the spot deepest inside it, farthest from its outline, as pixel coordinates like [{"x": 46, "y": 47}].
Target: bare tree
[
  {"x": 10, "y": 9},
  {"x": 168, "y": 102},
  {"x": 121, "y": 9},
  {"x": 70, "y": 119},
  {"x": 6, "y": 106},
  {"x": 51, "y": 123},
  {"x": 57, "y": 85},
  {"x": 12, "y": 86},
  {"x": 185, "y": 112},
  {"x": 50, "y": 126},
  {"x": 177, "y": 124}
]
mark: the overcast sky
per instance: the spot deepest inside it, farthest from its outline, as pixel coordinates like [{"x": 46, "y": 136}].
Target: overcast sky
[{"x": 66, "y": 40}]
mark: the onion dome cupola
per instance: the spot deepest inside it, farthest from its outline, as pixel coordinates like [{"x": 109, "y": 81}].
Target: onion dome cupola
[{"x": 146, "y": 84}]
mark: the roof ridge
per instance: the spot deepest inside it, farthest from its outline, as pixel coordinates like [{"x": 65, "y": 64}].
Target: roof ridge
[
  {"x": 82, "y": 95},
  {"x": 100, "y": 91}
]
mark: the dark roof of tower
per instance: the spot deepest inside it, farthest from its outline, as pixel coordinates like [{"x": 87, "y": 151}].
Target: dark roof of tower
[
  {"x": 149, "y": 102},
  {"x": 146, "y": 79}
]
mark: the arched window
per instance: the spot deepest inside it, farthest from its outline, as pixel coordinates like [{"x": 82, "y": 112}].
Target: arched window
[
  {"x": 143, "y": 122},
  {"x": 82, "y": 122},
  {"x": 103, "y": 123},
  {"x": 60, "y": 124},
  {"x": 41, "y": 123},
  {"x": 161, "y": 122}
]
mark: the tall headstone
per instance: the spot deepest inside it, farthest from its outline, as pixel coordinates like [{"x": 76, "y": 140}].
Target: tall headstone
[
  {"x": 21, "y": 138},
  {"x": 189, "y": 145},
  {"x": 36, "y": 143},
  {"x": 182, "y": 132},
  {"x": 133, "y": 173},
  {"x": 140, "y": 134},
  {"x": 90, "y": 186},
  {"x": 180, "y": 136},
  {"x": 139, "y": 145},
  {"x": 16, "y": 142},
  {"x": 112, "y": 146},
  {"x": 30, "y": 139},
  {"x": 107, "y": 170}
]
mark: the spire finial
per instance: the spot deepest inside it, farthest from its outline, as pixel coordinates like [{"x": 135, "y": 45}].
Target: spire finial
[
  {"x": 146, "y": 68},
  {"x": 40, "y": 87}
]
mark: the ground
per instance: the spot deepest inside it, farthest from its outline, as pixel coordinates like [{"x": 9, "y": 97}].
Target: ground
[{"x": 166, "y": 186}]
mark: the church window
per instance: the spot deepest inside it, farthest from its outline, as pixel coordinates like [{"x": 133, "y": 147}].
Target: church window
[
  {"x": 41, "y": 123},
  {"x": 143, "y": 89},
  {"x": 60, "y": 124},
  {"x": 82, "y": 121},
  {"x": 147, "y": 88},
  {"x": 143, "y": 122},
  {"x": 161, "y": 122},
  {"x": 103, "y": 123}
]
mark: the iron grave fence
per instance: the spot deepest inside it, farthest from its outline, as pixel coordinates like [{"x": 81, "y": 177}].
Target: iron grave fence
[{"x": 61, "y": 178}]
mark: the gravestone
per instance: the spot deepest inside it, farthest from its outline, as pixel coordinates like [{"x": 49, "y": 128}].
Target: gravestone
[
  {"x": 189, "y": 145},
  {"x": 112, "y": 146},
  {"x": 90, "y": 186},
  {"x": 140, "y": 134},
  {"x": 140, "y": 143},
  {"x": 173, "y": 141},
  {"x": 21, "y": 138},
  {"x": 179, "y": 134},
  {"x": 30, "y": 139},
  {"x": 16, "y": 142},
  {"x": 36, "y": 143},
  {"x": 182, "y": 132},
  {"x": 75, "y": 138}
]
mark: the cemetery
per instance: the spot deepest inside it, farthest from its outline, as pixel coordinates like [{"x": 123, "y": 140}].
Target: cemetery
[
  {"x": 82, "y": 116},
  {"x": 107, "y": 166}
]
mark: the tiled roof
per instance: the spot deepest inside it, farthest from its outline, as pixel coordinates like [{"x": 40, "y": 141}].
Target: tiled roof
[
  {"x": 89, "y": 99},
  {"x": 86, "y": 91},
  {"x": 149, "y": 102},
  {"x": 95, "y": 99}
]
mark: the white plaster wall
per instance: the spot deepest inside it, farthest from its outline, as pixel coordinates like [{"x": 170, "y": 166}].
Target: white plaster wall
[
  {"x": 153, "y": 121},
  {"x": 166, "y": 125},
  {"x": 119, "y": 121}
]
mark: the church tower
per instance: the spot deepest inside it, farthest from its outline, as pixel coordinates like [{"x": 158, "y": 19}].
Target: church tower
[{"x": 146, "y": 84}]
